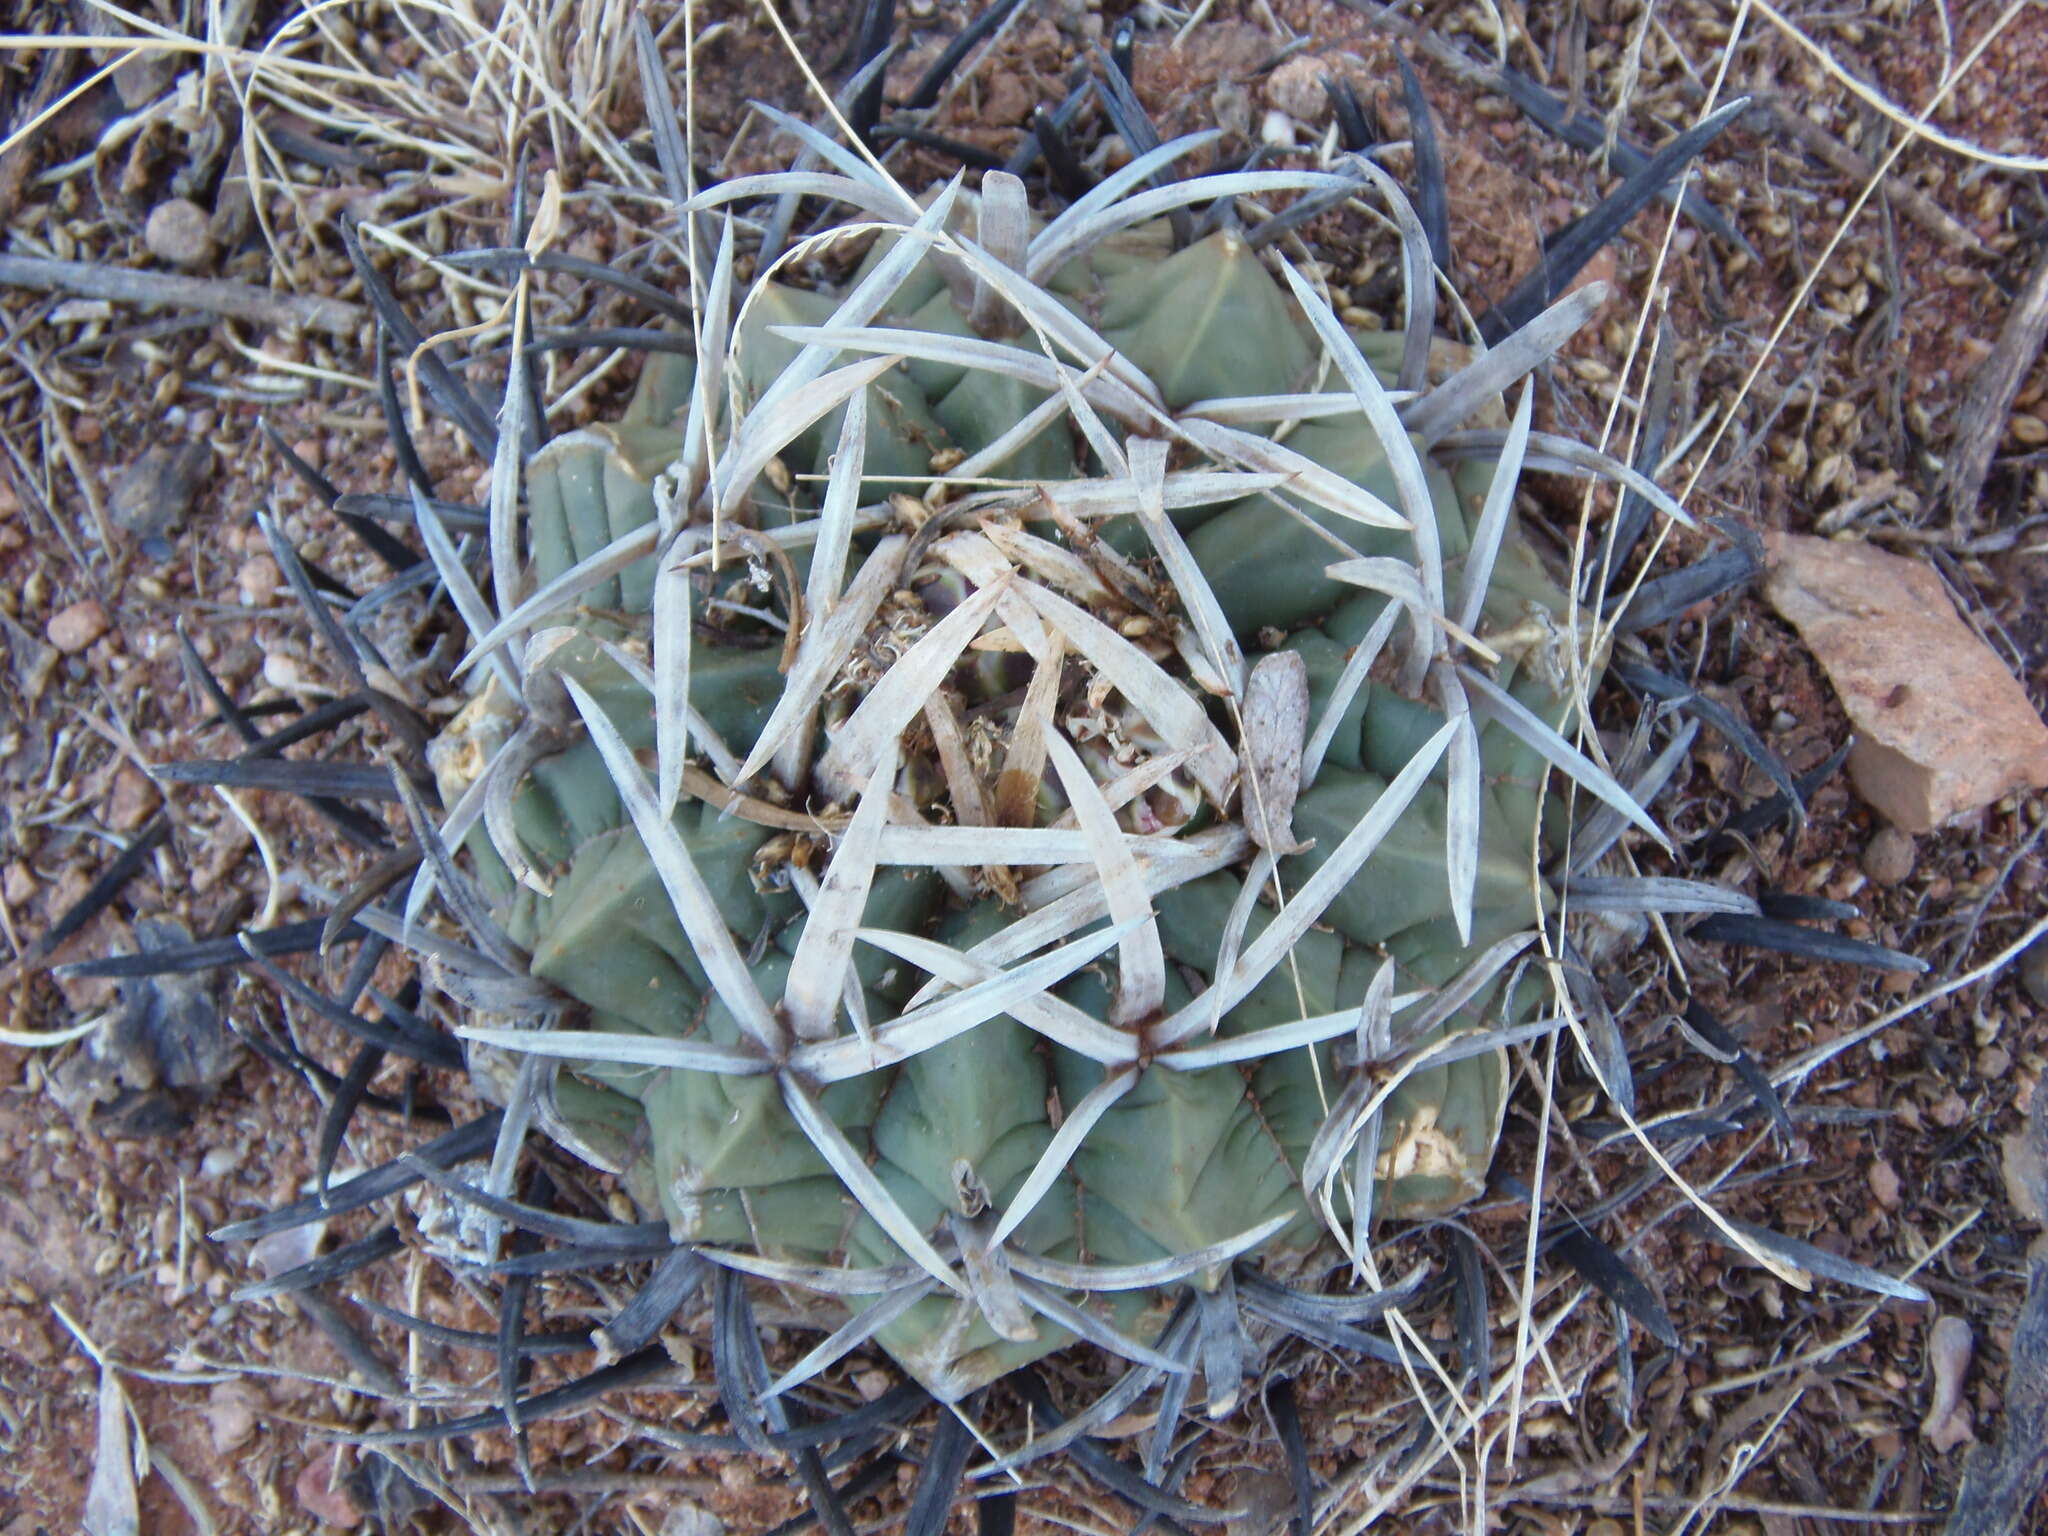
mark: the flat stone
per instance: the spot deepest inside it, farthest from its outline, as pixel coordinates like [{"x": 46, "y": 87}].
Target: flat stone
[
  {"x": 1942, "y": 727},
  {"x": 72, "y": 629}
]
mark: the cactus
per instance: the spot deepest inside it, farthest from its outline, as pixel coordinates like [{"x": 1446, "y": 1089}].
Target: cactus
[{"x": 982, "y": 946}]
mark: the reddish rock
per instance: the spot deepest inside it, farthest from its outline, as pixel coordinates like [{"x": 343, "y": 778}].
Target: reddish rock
[
  {"x": 131, "y": 800},
  {"x": 321, "y": 1496},
  {"x": 1942, "y": 727},
  {"x": 72, "y": 629}
]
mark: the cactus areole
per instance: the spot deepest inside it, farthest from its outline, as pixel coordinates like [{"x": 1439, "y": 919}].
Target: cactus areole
[{"x": 1022, "y": 778}]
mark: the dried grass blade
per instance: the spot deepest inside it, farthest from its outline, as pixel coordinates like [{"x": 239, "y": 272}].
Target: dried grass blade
[
  {"x": 1655, "y": 893},
  {"x": 861, "y": 1182},
  {"x": 1084, "y": 1324},
  {"x": 774, "y": 423},
  {"x": 824, "y": 953},
  {"x": 893, "y": 702},
  {"x": 1451, "y": 403},
  {"x": 842, "y": 189},
  {"x": 1829, "y": 1266},
  {"x": 1076, "y": 240},
  {"x": 1106, "y": 193},
  {"x": 871, "y": 294},
  {"x": 1493, "y": 516},
  {"x": 850, "y": 1335},
  {"x": 1411, "y": 485},
  {"x": 1141, "y": 959},
  {"x": 1023, "y": 770},
  {"x": 1564, "y": 456},
  {"x": 1529, "y": 729},
  {"x": 1170, "y": 710},
  {"x": 558, "y": 594},
  {"x": 1357, "y": 667},
  {"x": 837, "y": 155},
  {"x": 1148, "y": 476},
  {"x": 1066, "y": 1141},
  {"x": 829, "y": 639},
  {"x": 1141, "y": 1277},
  {"x": 833, "y": 1061},
  {"x": 504, "y": 500},
  {"x": 1317, "y": 892},
  {"x": 671, "y": 643},
  {"x": 1087, "y": 499},
  {"x": 1306, "y": 478},
  {"x": 623, "y": 1049},
  {"x": 695, "y": 907},
  {"x": 1253, "y": 1044},
  {"x": 1055, "y": 1018},
  {"x": 469, "y": 602},
  {"x": 1463, "y": 793}
]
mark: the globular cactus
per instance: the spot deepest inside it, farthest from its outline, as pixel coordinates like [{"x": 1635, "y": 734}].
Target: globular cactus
[{"x": 1049, "y": 890}]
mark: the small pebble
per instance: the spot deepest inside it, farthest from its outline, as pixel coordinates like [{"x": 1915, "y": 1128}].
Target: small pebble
[
  {"x": 131, "y": 800},
  {"x": 1884, "y": 1183},
  {"x": 74, "y": 628},
  {"x": 258, "y": 581},
  {"x": 1889, "y": 856},
  {"x": 177, "y": 232}
]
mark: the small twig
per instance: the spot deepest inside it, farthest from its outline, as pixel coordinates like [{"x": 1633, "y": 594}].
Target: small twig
[
  {"x": 1983, "y": 906},
  {"x": 1987, "y": 404},
  {"x": 1911, "y": 201},
  {"x": 123, "y": 285}
]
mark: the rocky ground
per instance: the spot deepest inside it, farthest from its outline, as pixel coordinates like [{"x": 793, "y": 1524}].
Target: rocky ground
[{"x": 1860, "y": 364}]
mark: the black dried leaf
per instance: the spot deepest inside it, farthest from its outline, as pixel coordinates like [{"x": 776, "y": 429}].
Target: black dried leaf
[
  {"x": 348, "y": 1098},
  {"x": 1829, "y": 1266},
  {"x": 1287, "y": 1421},
  {"x": 1716, "y": 716},
  {"x": 1631, "y": 519},
  {"x": 1355, "y": 132},
  {"x": 1724, "y": 1047},
  {"x": 575, "y": 1257},
  {"x": 206, "y": 954},
  {"x": 1789, "y": 907},
  {"x": 1791, "y": 939},
  {"x": 399, "y": 509},
  {"x": 926, "y": 92},
  {"x": 345, "y": 1260},
  {"x": 1432, "y": 198},
  {"x": 458, "y": 1145},
  {"x": 571, "y": 1343},
  {"x": 567, "y": 1398},
  {"x": 1663, "y": 598},
  {"x": 938, "y": 1486},
  {"x": 973, "y": 156},
  {"x": 1609, "y": 1274},
  {"x": 1572, "y": 248},
  {"x": 443, "y": 387},
  {"x": 363, "y": 781},
  {"x": 549, "y": 1224},
  {"x": 1474, "y": 1321},
  {"x": 392, "y": 552},
  {"x": 1773, "y": 808},
  {"x": 1581, "y": 130},
  {"x": 436, "y": 1050},
  {"x": 106, "y": 886},
  {"x": 675, "y": 1280},
  {"x": 1121, "y": 1480}
]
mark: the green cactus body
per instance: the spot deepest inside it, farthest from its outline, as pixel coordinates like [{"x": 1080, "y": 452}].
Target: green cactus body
[{"x": 1175, "y": 1159}]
